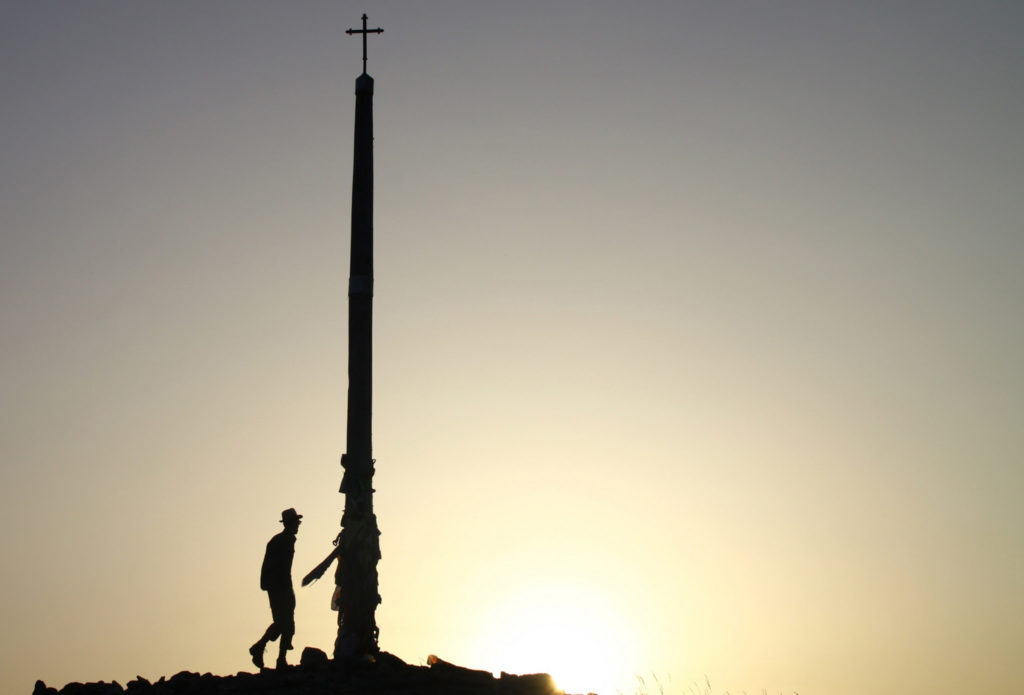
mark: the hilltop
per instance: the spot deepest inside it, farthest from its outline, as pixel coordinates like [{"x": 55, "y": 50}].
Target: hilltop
[{"x": 317, "y": 675}]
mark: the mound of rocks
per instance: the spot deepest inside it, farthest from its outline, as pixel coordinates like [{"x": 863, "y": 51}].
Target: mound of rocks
[{"x": 318, "y": 675}]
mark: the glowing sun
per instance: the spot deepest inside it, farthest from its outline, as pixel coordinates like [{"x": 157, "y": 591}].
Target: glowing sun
[{"x": 565, "y": 630}]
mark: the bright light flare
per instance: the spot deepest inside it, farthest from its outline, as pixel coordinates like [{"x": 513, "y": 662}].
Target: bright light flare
[{"x": 568, "y": 631}]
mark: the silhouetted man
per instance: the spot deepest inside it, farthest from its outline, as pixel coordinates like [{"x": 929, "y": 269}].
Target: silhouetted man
[{"x": 276, "y": 580}]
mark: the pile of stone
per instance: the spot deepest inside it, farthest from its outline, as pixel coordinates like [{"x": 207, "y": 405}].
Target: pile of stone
[{"x": 317, "y": 675}]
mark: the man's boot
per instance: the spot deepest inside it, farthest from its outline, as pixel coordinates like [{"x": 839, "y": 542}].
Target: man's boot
[{"x": 256, "y": 652}]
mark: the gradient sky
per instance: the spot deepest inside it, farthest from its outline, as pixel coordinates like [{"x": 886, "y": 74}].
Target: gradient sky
[{"x": 698, "y": 339}]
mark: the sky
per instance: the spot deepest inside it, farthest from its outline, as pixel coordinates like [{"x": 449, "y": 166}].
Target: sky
[{"x": 698, "y": 337}]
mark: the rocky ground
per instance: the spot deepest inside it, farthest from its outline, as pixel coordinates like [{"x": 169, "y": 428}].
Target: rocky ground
[{"x": 317, "y": 675}]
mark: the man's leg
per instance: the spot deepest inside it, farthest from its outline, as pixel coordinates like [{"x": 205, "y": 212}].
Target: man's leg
[
  {"x": 271, "y": 634},
  {"x": 282, "y": 653},
  {"x": 283, "y": 608},
  {"x": 256, "y": 650}
]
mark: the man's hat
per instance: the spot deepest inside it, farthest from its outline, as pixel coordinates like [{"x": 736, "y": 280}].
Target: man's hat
[{"x": 290, "y": 515}]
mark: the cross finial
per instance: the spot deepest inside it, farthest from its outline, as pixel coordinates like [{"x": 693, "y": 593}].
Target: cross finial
[{"x": 364, "y": 31}]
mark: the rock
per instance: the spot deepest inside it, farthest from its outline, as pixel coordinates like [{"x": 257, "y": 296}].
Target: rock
[
  {"x": 460, "y": 674},
  {"x": 314, "y": 659},
  {"x": 391, "y": 661},
  {"x": 189, "y": 683},
  {"x": 528, "y": 684},
  {"x": 318, "y": 675},
  {"x": 101, "y": 688},
  {"x": 138, "y": 685}
]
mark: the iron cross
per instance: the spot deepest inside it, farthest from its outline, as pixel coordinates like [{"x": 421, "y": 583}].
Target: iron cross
[{"x": 364, "y": 31}]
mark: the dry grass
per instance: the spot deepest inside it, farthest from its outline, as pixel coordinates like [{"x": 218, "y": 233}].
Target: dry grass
[{"x": 656, "y": 687}]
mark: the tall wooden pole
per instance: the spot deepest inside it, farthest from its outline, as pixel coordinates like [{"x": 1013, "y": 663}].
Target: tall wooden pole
[{"x": 359, "y": 546}]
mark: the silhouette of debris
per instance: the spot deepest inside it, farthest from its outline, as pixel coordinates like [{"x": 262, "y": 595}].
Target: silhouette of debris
[{"x": 317, "y": 675}]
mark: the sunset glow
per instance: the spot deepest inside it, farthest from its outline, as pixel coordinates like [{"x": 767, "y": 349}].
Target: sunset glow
[
  {"x": 569, "y": 631},
  {"x": 697, "y": 337}
]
